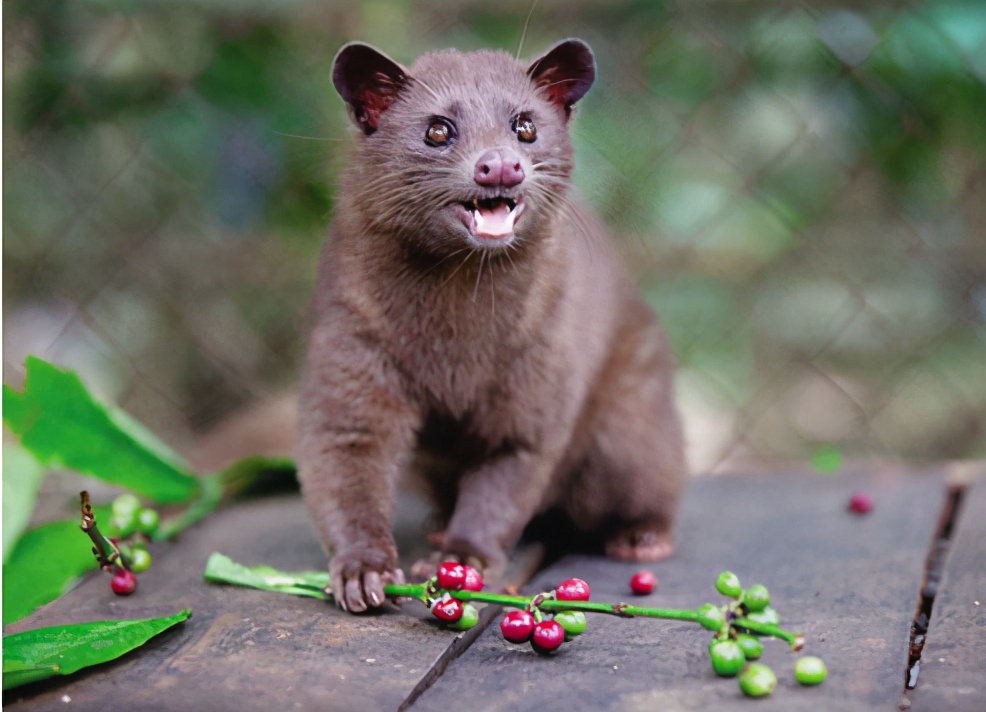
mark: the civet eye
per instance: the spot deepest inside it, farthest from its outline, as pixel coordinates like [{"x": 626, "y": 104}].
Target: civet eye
[
  {"x": 525, "y": 129},
  {"x": 441, "y": 132}
]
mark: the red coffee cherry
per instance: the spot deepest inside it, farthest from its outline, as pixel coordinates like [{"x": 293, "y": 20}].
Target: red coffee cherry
[
  {"x": 473, "y": 580},
  {"x": 860, "y": 503},
  {"x": 573, "y": 589},
  {"x": 643, "y": 582},
  {"x": 447, "y": 609},
  {"x": 451, "y": 575},
  {"x": 124, "y": 582},
  {"x": 547, "y": 637},
  {"x": 517, "y": 626}
]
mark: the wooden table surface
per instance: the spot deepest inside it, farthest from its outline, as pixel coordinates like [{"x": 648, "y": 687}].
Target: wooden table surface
[{"x": 852, "y": 584}]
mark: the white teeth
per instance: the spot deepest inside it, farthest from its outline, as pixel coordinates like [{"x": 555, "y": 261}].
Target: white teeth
[{"x": 496, "y": 222}]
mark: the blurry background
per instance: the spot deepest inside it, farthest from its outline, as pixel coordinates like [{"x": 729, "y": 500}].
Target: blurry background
[{"x": 802, "y": 188}]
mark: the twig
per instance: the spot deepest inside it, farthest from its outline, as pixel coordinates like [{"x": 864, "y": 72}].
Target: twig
[{"x": 106, "y": 552}]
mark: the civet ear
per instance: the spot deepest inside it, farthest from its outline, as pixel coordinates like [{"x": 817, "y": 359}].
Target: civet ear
[
  {"x": 368, "y": 81},
  {"x": 565, "y": 73}
]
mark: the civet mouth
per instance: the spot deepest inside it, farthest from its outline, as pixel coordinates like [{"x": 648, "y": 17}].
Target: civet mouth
[{"x": 493, "y": 218}]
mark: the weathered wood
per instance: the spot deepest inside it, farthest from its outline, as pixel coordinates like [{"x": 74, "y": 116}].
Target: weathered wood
[
  {"x": 243, "y": 649},
  {"x": 953, "y": 663},
  {"x": 849, "y": 582}
]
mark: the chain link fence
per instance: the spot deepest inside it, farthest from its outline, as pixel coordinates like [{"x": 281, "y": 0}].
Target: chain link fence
[{"x": 801, "y": 188}]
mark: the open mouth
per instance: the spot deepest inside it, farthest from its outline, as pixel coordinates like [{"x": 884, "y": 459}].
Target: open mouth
[{"x": 492, "y": 218}]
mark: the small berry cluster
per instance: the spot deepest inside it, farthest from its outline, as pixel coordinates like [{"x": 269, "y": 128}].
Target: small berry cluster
[
  {"x": 730, "y": 650},
  {"x": 124, "y": 553},
  {"x": 453, "y": 576},
  {"x": 130, "y": 517},
  {"x": 547, "y": 634}
]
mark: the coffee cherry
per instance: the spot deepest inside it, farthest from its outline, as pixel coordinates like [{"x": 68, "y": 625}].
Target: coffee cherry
[
  {"x": 751, "y": 646},
  {"x": 451, "y": 575},
  {"x": 572, "y": 622},
  {"x": 643, "y": 582},
  {"x": 711, "y": 617},
  {"x": 140, "y": 560},
  {"x": 470, "y": 617},
  {"x": 473, "y": 580},
  {"x": 810, "y": 670},
  {"x": 572, "y": 589},
  {"x": 124, "y": 582},
  {"x": 547, "y": 636},
  {"x": 148, "y": 520},
  {"x": 756, "y": 598},
  {"x": 447, "y": 609},
  {"x": 125, "y": 505},
  {"x": 517, "y": 626},
  {"x": 757, "y": 680},
  {"x": 123, "y": 525},
  {"x": 728, "y": 584},
  {"x": 767, "y": 615},
  {"x": 860, "y": 503},
  {"x": 727, "y": 658}
]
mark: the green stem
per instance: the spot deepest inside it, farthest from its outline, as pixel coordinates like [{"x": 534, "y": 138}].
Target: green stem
[
  {"x": 221, "y": 569},
  {"x": 550, "y": 604},
  {"x": 419, "y": 591},
  {"x": 213, "y": 487},
  {"x": 217, "y": 487},
  {"x": 795, "y": 640}
]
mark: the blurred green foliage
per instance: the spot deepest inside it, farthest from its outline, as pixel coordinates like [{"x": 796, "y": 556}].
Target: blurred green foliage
[{"x": 801, "y": 189}]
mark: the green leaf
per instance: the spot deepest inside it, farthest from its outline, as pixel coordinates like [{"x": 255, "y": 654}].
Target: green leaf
[
  {"x": 221, "y": 569},
  {"x": 60, "y": 423},
  {"x": 16, "y": 673},
  {"x": 62, "y": 650},
  {"x": 22, "y": 476},
  {"x": 45, "y": 563}
]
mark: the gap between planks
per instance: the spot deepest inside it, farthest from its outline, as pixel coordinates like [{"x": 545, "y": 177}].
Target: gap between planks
[
  {"x": 522, "y": 568},
  {"x": 934, "y": 565}
]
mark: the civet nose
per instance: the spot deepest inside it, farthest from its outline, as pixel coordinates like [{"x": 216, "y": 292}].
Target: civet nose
[{"x": 499, "y": 167}]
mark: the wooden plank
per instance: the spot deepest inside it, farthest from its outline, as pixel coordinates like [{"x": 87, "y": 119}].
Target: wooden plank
[
  {"x": 849, "y": 582},
  {"x": 953, "y": 663},
  {"x": 244, "y": 649}
]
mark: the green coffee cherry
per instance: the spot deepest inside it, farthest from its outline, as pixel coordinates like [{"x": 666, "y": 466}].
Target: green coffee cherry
[
  {"x": 757, "y": 680},
  {"x": 140, "y": 560},
  {"x": 572, "y": 622},
  {"x": 751, "y": 646},
  {"x": 728, "y": 584},
  {"x": 767, "y": 615},
  {"x": 810, "y": 670},
  {"x": 125, "y": 505},
  {"x": 470, "y": 617},
  {"x": 756, "y": 598},
  {"x": 148, "y": 520},
  {"x": 711, "y": 617},
  {"x": 727, "y": 658},
  {"x": 122, "y": 527},
  {"x": 123, "y": 518}
]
